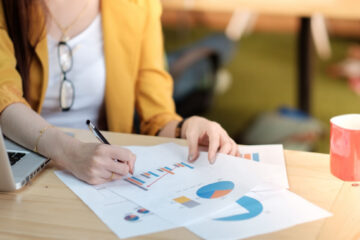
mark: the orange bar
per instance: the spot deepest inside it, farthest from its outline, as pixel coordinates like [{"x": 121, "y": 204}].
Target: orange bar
[
  {"x": 134, "y": 181},
  {"x": 247, "y": 156},
  {"x": 167, "y": 171}
]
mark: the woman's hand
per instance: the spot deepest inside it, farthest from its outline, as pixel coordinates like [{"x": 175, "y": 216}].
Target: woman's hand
[
  {"x": 95, "y": 163},
  {"x": 91, "y": 162},
  {"x": 200, "y": 131}
]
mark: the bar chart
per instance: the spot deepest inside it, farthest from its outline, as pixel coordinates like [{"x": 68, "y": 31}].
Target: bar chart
[
  {"x": 146, "y": 179},
  {"x": 251, "y": 156},
  {"x": 187, "y": 202}
]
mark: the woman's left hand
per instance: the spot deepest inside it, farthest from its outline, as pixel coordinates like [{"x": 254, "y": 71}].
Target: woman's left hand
[{"x": 200, "y": 131}]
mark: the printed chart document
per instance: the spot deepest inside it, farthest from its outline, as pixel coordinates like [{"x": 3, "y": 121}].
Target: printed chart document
[
  {"x": 203, "y": 195},
  {"x": 272, "y": 158},
  {"x": 265, "y": 212},
  {"x": 123, "y": 217},
  {"x": 181, "y": 192},
  {"x": 166, "y": 192}
]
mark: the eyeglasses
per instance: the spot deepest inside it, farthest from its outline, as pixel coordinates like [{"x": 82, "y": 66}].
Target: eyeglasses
[{"x": 67, "y": 89}]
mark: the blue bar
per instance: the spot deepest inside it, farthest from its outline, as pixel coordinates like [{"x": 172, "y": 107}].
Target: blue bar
[
  {"x": 153, "y": 174},
  {"x": 168, "y": 168},
  {"x": 139, "y": 180},
  {"x": 256, "y": 157},
  {"x": 187, "y": 165},
  {"x": 145, "y": 176},
  {"x": 135, "y": 184}
]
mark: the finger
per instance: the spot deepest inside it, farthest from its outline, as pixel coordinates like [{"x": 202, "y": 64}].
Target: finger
[
  {"x": 123, "y": 155},
  {"x": 226, "y": 148},
  {"x": 120, "y": 153},
  {"x": 96, "y": 180},
  {"x": 112, "y": 177},
  {"x": 193, "y": 140},
  {"x": 116, "y": 177},
  {"x": 214, "y": 143},
  {"x": 118, "y": 167},
  {"x": 131, "y": 164},
  {"x": 234, "y": 149},
  {"x": 103, "y": 173},
  {"x": 237, "y": 151},
  {"x": 101, "y": 181}
]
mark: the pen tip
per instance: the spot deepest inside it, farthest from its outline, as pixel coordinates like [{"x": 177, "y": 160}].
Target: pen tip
[{"x": 88, "y": 122}]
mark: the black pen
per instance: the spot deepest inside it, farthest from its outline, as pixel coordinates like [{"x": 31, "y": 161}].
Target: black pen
[
  {"x": 96, "y": 132},
  {"x": 99, "y": 136}
]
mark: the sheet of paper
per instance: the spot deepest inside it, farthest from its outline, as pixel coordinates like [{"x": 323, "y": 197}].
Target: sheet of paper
[
  {"x": 274, "y": 175},
  {"x": 123, "y": 217},
  {"x": 181, "y": 192},
  {"x": 266, "y": 212}
]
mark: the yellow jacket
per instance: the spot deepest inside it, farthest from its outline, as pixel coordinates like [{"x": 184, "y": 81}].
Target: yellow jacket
[{"x": 135, "y": 75}]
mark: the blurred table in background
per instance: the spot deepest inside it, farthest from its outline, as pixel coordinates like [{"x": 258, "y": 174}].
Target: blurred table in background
[
  {"x": 344, "y": 9},
  {"x": 302, "y": 9}
]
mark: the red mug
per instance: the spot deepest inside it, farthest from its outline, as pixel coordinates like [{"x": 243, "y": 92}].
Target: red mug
[{"x": 345, "y": 147}]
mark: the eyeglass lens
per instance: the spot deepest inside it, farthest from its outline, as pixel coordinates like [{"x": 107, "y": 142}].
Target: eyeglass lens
[
  {"x": 67, "y": 89},
  {"x": 67, "y": 94},
  {"x": 65, "y": 57}
]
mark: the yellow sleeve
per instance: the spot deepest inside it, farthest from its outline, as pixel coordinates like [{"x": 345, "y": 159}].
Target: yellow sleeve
[
  {"x": 154, "y": 88},
  {"x": 10, "y": 80}
]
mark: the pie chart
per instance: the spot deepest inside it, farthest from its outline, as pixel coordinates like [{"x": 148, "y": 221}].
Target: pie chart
[
  {"x": 252, "y": 205},
  {"x": 143, "y": 211},
  {"x": 131, "y": 218},
  {"x": 215, "y": 190}
]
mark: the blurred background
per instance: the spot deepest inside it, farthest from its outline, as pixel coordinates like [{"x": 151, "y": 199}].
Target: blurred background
[{"x": 238, "y": 64}]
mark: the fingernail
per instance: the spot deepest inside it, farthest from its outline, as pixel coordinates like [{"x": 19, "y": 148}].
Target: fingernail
[
  {"x": 212, "y": 161},
  {"x": 191, "y": 158}
]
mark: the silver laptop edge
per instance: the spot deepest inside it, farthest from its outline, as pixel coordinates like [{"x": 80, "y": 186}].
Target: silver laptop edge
[{"x": 16, "y": 176}]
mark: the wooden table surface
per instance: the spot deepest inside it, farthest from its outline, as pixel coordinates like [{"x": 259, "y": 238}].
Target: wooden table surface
[
  {"x": 342, "y": 9},
  {"x": 47, "y": 209}
]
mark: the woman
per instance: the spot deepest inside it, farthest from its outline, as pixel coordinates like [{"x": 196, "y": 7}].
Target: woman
[{"x": 62, "y": 62}]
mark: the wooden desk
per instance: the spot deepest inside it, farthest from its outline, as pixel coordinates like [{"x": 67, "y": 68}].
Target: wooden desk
[
  {"x": 304, "y": 9},
  {"x": 47, "y": 209}
]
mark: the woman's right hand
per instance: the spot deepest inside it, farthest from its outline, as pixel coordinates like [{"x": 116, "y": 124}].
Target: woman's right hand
[{"x": 95, "y": 163}]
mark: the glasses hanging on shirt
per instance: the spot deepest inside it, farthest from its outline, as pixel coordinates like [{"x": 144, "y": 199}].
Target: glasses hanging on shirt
[
  {"x": 65, "y": 57},
  {"x": 67, "y": 89}
]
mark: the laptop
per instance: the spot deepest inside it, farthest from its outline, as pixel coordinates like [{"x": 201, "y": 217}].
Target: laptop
[{"x": 17, "y": 165}]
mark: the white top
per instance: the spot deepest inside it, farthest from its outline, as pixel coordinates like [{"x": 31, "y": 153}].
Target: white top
[{"x": 87, "y": 75}]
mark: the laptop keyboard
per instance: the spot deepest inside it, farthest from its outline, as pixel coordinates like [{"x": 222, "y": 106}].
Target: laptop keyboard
[{"x": 15, "y": 156}]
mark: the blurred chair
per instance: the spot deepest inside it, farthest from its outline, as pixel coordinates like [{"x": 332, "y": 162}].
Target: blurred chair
[{"x": 194, "y": 70}]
